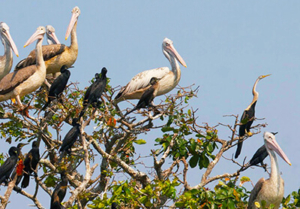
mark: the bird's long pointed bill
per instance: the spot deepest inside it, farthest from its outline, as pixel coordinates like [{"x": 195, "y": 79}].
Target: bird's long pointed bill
[
  {"x": 35, "y": 36},
  {"x": 71, "y": 24},
  {"x": 177, "y": 55},
  {"x": 54, "y": 37},
  {"x": 12, "y": 44},
  {"x": 275, "y": 146},
  {"x": 266, "y": 75}
]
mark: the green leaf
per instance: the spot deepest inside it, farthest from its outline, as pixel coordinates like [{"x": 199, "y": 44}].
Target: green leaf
[
  {"x": 193, "y": 161},
  {"x": 140, "y": 141}
]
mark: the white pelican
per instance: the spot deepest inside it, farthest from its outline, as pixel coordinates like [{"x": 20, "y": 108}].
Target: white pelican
[
  {"x": 57, "y": 55},
  {"x": 6, "y": 60},
  {"x": 28, "y": 79},
  {"x": 272, "y": 189},
  {"x": 248, "y": 117},
  {"x": 168, "y": 79},
  {"x": 51, "y": 36}
]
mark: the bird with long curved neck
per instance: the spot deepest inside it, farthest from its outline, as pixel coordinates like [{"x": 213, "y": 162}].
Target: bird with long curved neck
[
  {"x": 51, "y": 36},
  {"x": 248, "y": 117},
  {"x": 272, "y": 189},
  {"x": 6, "y": 60},
  {"x": 57, "y": 55},
  {"x": 168, "y": 78},
  {"x": 28, "y": 79}
]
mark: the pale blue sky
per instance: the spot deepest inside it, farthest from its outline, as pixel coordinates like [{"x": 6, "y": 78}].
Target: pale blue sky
[{"x": 226, "y": 45}]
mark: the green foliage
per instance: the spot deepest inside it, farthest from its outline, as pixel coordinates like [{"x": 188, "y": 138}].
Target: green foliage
[
  {"x": 225, "y": 195},
  {"x": 292, "y": 200}
]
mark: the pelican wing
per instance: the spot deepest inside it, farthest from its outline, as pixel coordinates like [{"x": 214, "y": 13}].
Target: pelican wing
[
  {"x": 49, "y": 51},
  {"x": 12, "y": 80},
  {"x": 142, "y": 80},
  {"x": 255, "y": 191}
]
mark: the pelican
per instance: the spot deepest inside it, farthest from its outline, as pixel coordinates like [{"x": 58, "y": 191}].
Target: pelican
[
  {"x": 148, "y": 96},
  {"x": 51, "y": 36},
  {"x": 6, "y": 60},
  {"x": 28, "y": 79},
  {"x": 248, "y": 117},
  {"x": 168, "y": 79},
  {"x": 57, "y": 55},
  {"x": 272, "y": 189}
]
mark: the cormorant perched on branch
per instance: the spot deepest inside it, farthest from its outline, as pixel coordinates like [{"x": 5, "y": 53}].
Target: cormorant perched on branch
[
  {"x": 71, "y": 137},
  {"x": 247, "y": 118},
  {"x": 148, "y": 95},
  {"x": 20, "y": 164},
  {"x": 58, "y": 85},
  {"x": 31, "y": 161},
  {"x": 9, "y": 165},
  {"x": 59, "y": 192},
  {"x": 260, "y": 155},
  {"x": 94, "y": 92}
]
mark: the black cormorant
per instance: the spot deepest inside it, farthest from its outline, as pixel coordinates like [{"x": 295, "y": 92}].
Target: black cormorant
[
  {"x": 9, "y": 165},
  {"x": 59, "y": 192},
  {"x": 71, "y": 137}
]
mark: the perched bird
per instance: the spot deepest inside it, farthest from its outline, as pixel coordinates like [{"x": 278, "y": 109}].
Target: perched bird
[
  {"x": 31, "y": 161},
  {"x": 260, "y": 155},
  {"x": 28, "y": 79},
  {"x": 272, "y": 189},
  {"x": 57, "y": 55},
  {"x": 71, "y": 137},
  {"x": 148, "y": 95},
  {"x": 248, "y": 117},
  {"x": 168, "y": 79},
  {"x": 6, "y": 60},
  {"x": 59, "y": 192},
  {"x": 94, "y": 92},
  {"x": 51, "y": 36},
  {"x": 20, "y": 164},
  {"x": 114, "y": 205},
  {"x": 58, "y": 85},
  {"x": 9, "y": 165}
]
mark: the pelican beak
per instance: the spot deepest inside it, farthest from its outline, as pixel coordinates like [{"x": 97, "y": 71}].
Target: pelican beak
[
  {"x": 12, "y": 43},
  {"x": 177, "y": 55},
  {"x": 275, "y": 146},
  {"x": 73, "y": 20},
  {"x": 39, "y": 34},
  {"x": 54, "y": 37}
]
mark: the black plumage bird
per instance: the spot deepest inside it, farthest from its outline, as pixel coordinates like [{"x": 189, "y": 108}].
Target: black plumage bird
[
  {"x": 148, "y": 95},
  {"x": 9, "y": 165},
  {"x": 71, "y": 137},
  {"x": 260, "y": 155},
  {"x": 247, "y": 118},
  {"x": 20, "y": 164},
  {"x": 114, "y": 205},
  {"x": 59, "y": 192},
  {"x": 31, "y": 161},
  {"x": 94, "y": 92},
  {"x": 58, "y": 86}
]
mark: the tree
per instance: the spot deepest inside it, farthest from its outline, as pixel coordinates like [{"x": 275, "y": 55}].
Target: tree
[{"x": 181, "y": 145}]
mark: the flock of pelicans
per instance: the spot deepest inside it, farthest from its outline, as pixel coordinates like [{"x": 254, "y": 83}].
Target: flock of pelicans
[{"x": 55, "y": 58}]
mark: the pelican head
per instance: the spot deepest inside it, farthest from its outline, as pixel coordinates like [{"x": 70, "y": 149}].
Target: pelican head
[
  {"x": 74, "y": 18},
  {"x": 272, "y": 145},
  {"x": 39, "y": 34},
  {"x": 4, "y": 33},
  {"x": 51, "y": 37},
  {"x": 170, "y": 51}
]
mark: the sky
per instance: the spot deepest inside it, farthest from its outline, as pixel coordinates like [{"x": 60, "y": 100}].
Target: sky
[{"x": 225, "y": 44}]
